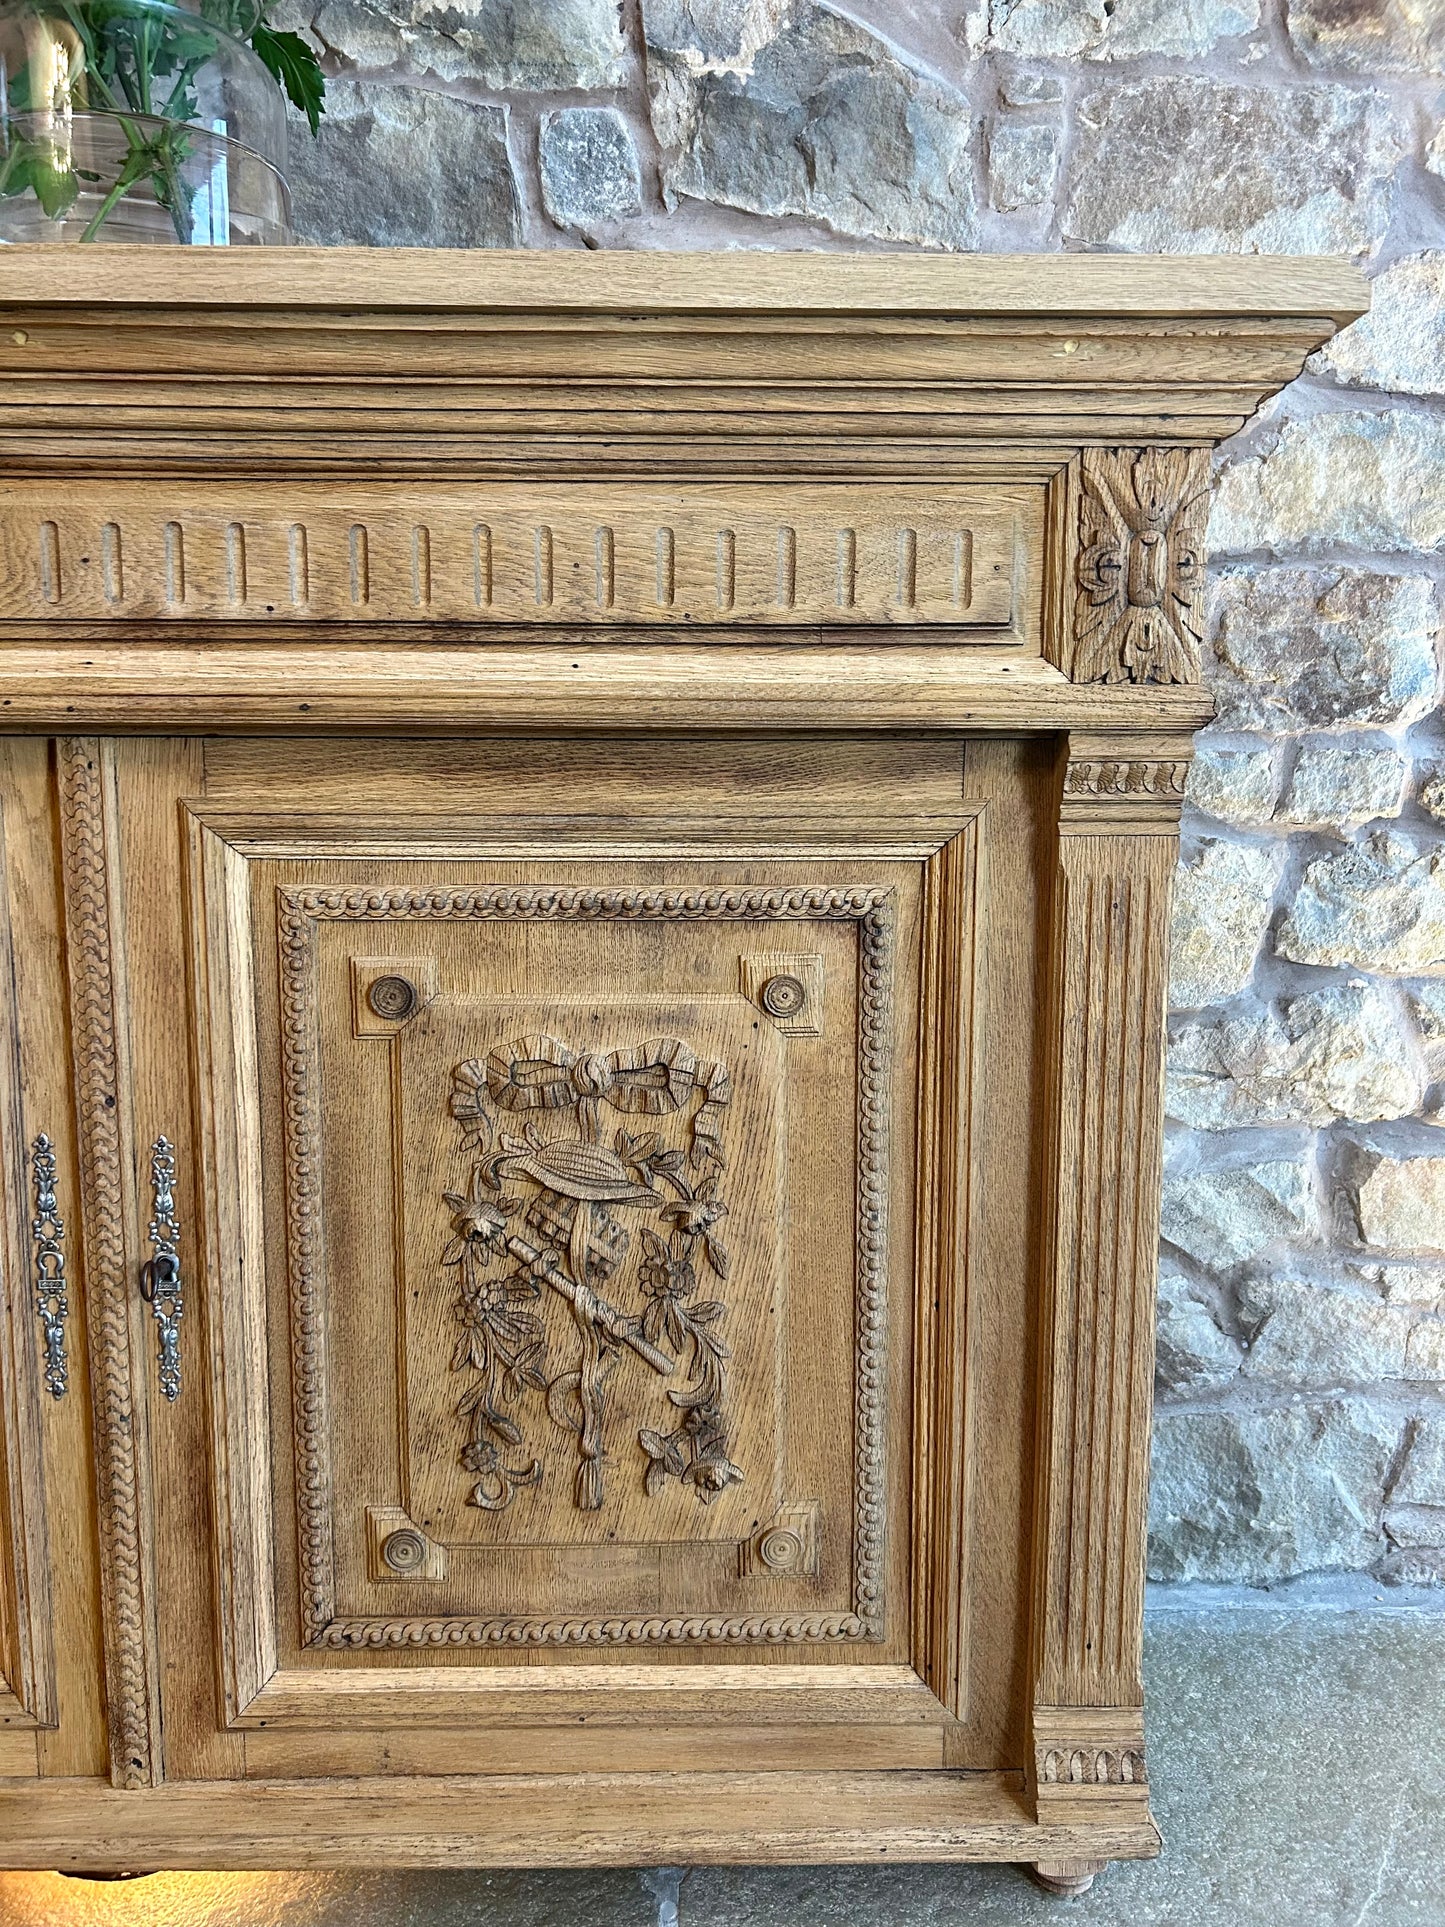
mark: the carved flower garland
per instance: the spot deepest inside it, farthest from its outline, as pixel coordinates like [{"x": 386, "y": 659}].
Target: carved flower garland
[{"x": 558, "y": 1232}]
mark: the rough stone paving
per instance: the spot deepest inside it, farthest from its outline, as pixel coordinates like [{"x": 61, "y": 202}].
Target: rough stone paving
[{"x": 1302, "y": 1343}]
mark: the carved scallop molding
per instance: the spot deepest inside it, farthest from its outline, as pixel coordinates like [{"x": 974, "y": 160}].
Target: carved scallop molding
[
  {"x": 1092, "y": 1766},
  {"x": 1116, "y": 778}
]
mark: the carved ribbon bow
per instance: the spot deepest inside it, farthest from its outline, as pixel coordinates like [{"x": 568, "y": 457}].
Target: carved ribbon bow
[{"x": 656, "y": 1077}]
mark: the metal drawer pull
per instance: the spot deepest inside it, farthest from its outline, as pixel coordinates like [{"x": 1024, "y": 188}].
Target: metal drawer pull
[
  {"x": 160, "y": 1278},
  {"x": 47, "y": 1228}
]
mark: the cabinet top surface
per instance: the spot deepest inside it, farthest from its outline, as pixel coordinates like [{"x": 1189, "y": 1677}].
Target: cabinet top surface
[{"x": 740, "y": 282}]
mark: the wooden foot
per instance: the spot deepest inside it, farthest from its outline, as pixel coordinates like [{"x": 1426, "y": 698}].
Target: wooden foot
[{"x": 1067, "y": 1878}]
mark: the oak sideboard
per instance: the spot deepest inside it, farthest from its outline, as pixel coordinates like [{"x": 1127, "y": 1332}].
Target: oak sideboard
[{"x": 585, "y": 854}]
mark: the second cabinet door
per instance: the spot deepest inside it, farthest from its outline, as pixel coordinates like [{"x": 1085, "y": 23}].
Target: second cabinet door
[{"x": 556, "y": 1147}]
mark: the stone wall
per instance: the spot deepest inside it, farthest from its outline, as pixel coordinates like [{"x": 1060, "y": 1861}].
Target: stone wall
[{"x": 1302, "y": 1352}]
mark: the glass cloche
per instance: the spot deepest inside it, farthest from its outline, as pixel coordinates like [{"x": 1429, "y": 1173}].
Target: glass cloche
[{"x": 134, "y": 120}]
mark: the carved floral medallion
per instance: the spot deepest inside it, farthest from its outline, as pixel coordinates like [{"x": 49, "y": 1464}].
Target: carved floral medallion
[
  {"x": 1139, "y": 614},
  {"x": 622, "y": 1227}
]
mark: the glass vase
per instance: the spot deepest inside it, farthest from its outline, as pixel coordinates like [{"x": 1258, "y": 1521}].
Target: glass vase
[{"x": 133, "y": 120}]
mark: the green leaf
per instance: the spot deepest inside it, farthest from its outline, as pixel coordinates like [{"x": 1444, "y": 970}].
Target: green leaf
[
  {"x": 296, "y": 67},
  {"x": 31, "y": 164},
  {"x": 55, "y": 188}
]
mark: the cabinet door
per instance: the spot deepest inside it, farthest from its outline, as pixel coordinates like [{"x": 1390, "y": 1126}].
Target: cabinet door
[
  {"x": 560, "y": 1196},
  {"x": 50, "y": 1695}
]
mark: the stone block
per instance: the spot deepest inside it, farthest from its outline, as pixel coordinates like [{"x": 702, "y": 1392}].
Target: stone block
[
  {"x": 1023, "y": 162},
  {"x": 589, "y": 167},
  {"x": 1425, "y": 1352},
  {"x": 1421, "y": 1285},
  {"x": 1400, "y": 1202},
  {"x": 1400, "y": 344},
  {"x": 1191, "y": 165},
  {"x": 396, "y": 167},
  {"x": 1110, "y": 29},
  {"x": 796, "y": 111},
  {"x": 1322, "y": 648},
  {"x": 1362, "y": 481},
  {"x": 711, "y": 35},
  {"x": 1326, "y": 1055},
  {"x": 1427, "y": 1004},
  {"x": 1344, "y": 785},
  {"x": 1379, "y": 905},
  {"x": 1029, "y": 87},
  {"x": 1241, "y": 1497},
  {"x": 1236, "y": 785},
  {"x": 1222, "y": 900},
  {"x": 1302, "y": 1334},
  {"x": 1415, "y": 1515},
  {"x": 516, "y": 44},
  {"x": 1219, "y": 1218},
  {"x": 1370, "y": 36},
  {"x": 1432, "y": 795},
  {"x": 1193, "y": 1351}
]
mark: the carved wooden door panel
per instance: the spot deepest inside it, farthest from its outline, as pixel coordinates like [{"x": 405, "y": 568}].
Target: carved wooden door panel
[
  {"x": 559, "y": 1187},
  {"x": 37, "y": 1335},
  {"x": 51, "y": 1714},
  {"x": 534, "y": 1137}
]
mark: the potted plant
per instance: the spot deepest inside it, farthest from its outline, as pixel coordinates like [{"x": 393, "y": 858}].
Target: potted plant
[{"x": 138, "y": 120}]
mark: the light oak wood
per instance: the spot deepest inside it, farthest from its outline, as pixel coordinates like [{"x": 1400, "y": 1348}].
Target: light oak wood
[
  {"x": 567, "y": 690},
  {"x": 1224, "y": 287},
  {"x": 54, "y": 1572},
  {"x": 431, "y": 364},
  {"x": 587, "y": 840},
  {"x": 27, "y": 1649},
  {"x": 653, "y": 1747},
  {"x": 629, "y": 1819},
  {"x": 19, "y": 1758},
  {"x": 778, "y": 557},
  {"x": 100, "y": 1046}
]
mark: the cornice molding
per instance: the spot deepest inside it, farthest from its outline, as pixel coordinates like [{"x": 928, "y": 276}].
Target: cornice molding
[
  {"x": 417, "y": 362},
  {"x": 744, "y": 282}
]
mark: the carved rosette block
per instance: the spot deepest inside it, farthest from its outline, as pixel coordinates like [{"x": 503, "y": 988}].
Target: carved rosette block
[
  {"x": 397, "y": 1548},
  {"x": 1139, "y": 568},
  {"x": 786, "y": 1548},
  {"x": 787, "y": 986}
]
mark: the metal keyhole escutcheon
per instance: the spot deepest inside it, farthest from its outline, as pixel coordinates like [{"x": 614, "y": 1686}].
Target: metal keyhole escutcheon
[{"x": 160, "y": 1278}]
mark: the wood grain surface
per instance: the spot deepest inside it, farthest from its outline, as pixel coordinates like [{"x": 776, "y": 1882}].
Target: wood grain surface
[{"x": 616, "y": 814}]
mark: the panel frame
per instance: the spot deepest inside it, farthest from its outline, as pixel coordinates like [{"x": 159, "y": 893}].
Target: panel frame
[{"x": 258, "y": 1688}]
